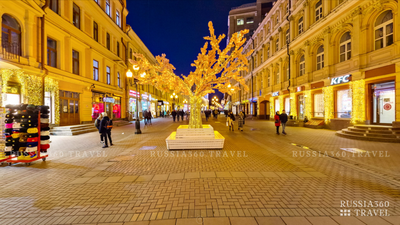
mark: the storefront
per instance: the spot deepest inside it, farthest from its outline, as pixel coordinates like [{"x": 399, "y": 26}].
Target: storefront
[
  {"x": 318, "y": 106},
  {"x": 153, "y": 106},
  {"x": 277, "y": 104},
  {"x": 104, "y": 103},
  {"x": 132, "y": 104},
  {"x": 342, "y": 96},
  {"x": 12, "y": 94},
  {"x": 300, "y": 102},
  {"x": 287, "y": 105}
]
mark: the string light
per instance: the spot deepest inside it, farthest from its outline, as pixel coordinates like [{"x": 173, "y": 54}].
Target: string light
[
  {"x": 358, "y": 92},
  {"x": 293, "y": 106},
  {"x": 328, "y": 103}
]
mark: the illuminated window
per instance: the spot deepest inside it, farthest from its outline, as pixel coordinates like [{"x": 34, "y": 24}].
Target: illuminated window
[
  {"x": 320, "y": 57},
  {"x": 345, "y": 47},
  {"x": 302, "y": 66},
  {"x": 240, "y": 22},
  {"x": 108, "y": 75},
  {"x": 384, "y": 30},
  {"x": 117, "y": 19},
  {"x": 11, "y": 35},
  {"x": 108, "y": 8},
  {"x": 249, "y": 20},
  {"x": 95, "y": 70}
]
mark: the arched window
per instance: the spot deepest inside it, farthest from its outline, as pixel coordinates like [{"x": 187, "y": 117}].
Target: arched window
[
  {"x": 11, "y": 35},
  {"x": 302, "y": 66},
  {"x": 277, "y": 76},
  {"x": 320, "y": 57},
  {"x": 384, "y": 30},
  {"x": 300, "y": 26},
  {"x": 318, "y": 10},
  {"x": 345, "y": 47}
]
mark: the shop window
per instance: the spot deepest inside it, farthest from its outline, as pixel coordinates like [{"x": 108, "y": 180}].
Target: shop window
[
  {"x": 302, "y": 66},
  {"x": 318, "y": 10},
  {"x": 75, "y": 62},
  {"x": 319, "y": 105},
  {"x": 95, "y": 70},
  {"x": 287, "y": 106},
  {"x": 117, "y": 18},
  {"x": 300, "y": 25},
  {"x": 277, "y": 105},
  {"x": 108, "y": 41},
  {"x": 249, "y": 20},
  {"x": 320, "y": 57},
  {"x": 76, "y": 16},
  {"x": 108, "y": 8},
  {"x": 11, "y": 35},
  {"x": 108, "y": 75},
  {"x": 240, "y": 22},
  {"x": 53, "y": 5},
  {"x": 345, "y": 47},
  {"x": 344, "y": 103},
  {"x": 51, "y": 52},
  {"x": 95, "y": 31},
  {"x": 384, "y": 30}
]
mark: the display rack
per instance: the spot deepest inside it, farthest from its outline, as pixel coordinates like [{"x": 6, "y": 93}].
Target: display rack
[
  {"x": 3, "y": 157},
  {"x": 39, "y": 155}
]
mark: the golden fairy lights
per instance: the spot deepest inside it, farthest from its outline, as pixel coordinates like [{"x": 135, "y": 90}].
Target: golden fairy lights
[
  {"x": 358, "y": 92},
  {"x": 214, "y": 69},
  {"x": 293, "y": 105},
  {"x": 328, "y": 103},
  {"x": 307, "y": 110}
]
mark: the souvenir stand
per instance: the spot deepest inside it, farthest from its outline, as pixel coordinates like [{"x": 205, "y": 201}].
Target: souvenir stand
[
  {"x": 29, "y": 128},
  {"x": 4, "y": 156}
]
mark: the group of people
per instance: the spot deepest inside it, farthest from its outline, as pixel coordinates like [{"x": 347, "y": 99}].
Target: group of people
[
  {"x": 164, "y": 113},
  {"x": 180, "y": 113},
  {"x": 231, "y": 119},
  {"x": 280, "y": 119},
  {"x": 104, "y": 125},
  {"x": 214, "y": 112}
]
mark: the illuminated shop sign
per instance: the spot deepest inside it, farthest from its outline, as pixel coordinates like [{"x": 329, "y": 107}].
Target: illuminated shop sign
[
  {"x": 340, "y": 80},
  {"x": 145, "y": 96},
  {"x": 133, "y": 93},
  {"x": 108, "y": 99},
  {"x": 275, "y": 94}
]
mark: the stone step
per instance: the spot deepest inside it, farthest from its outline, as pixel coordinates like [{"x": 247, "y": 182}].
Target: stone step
[
  {"x": 74, "y": 127},
  {"x": 376, "y": 127},
  {"x": 384, "y": 135},
  {"x": 367, "y": 138},
  {"x": 373, "y": 131},
  {"x": 72, "y": 132}
]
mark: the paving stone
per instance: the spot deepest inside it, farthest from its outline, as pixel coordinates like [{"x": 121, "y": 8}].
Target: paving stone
[
  {"x": 296, "y": 221},
  {"x": 242, "y": 220},
  {"x": 216, "y": 221},
  {"x": 347, "y": 220},
  {"x": 159, "y": 177},
  {"x": 80, "y": 180},
  {"x": 207, "y": 174},
  {"x": 269, "y": 221},
  {"x": 302, "y": 174},
  {"x": 317, "y": 174},
  {"x": 223, "y": 174},
  {"x": 193, "y": 221},
  {"x": 112, "y": 179},
  {"x": 144, "y": 178},
  {"x": 192, "y": 175},
  {"x": 163, "y": 222},
  {"x": 269, "y": 174},
  {"x": 239, "y": 174},
  {"x": 321, "y": 220},
  {"x": 96, "y": 180},
  {"x": 369, "y": 220},
  {"x": 128, "y": 179},
  {"x": 254, "y": 174},
  {"x": 176, "y": 176}
]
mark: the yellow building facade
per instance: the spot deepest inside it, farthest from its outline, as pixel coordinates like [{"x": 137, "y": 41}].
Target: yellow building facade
[
  {"x": 344, "y": 62},
  {"x": 73, "y": 56}
]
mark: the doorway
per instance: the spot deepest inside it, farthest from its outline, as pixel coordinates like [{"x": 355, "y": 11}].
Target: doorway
[
  {"x": 69, "y": 108},
  {"x": 383, "y": 102}
]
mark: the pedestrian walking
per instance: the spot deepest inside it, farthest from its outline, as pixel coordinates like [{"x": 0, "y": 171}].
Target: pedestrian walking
[
  {"x": 216, "y": 112},
  {"x": 244, "y": 117},
  {"x": 174, "y": 115},
  {"x": 182, "y": 114},
  {"x": 241, "y": 121},
  {"x": 230, "y": 121},
  {"x": 277, "y": 122},
  {"x": 283, "y": 118},
  {"x": 105, "y": 129},
  {"x": 207, "y": 113},
  {"x": 148, "y": 117},
  {"x": 97, "y": 125}
]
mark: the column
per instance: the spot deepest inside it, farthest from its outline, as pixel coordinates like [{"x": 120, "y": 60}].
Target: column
[
  {"x": 306, "y": 17},
  {"x": 308, "y": 58}
]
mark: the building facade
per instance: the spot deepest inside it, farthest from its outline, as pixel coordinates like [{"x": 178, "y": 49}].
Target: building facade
[
  {"x": 73, "y": 56},
  {"x": 344, "y": 62}
]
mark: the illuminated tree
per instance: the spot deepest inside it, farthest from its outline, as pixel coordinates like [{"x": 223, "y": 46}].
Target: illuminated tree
[{"x": 215, "y": 69}]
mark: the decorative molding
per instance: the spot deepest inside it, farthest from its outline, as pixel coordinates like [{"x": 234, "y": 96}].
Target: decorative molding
[
  {"x": 307, "y": 43},
  {"x": 356, "y": 12}
]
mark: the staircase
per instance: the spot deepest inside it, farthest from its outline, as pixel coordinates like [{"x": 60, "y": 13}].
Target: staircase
[
  {"x": 82, "y": 128},
  {"x": 371, "y": 133}
]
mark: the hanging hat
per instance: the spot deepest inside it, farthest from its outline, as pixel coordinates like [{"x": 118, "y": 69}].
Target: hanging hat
[
  {"x": 8, "y": 130},
  {"x": 31, "y": 144},
  {"x": 45, "y": 142},
  {"x": 32, "y": 130},
  {"x": 44, "y": 120},
  {"x": 9, "y": 115},
  {"x": 44, "y": 116},
  {"x": 22, "y": 149},
  {"x": 16, "y": 135},
  {"x": 33, "y": 139},
  {"x": 33, "y": 135},
  {"x": 44, "y": 133},
  {"x": 44, "y": 125},
  {"x": 9, "y": 125},
  {"x": 45, "y": 129},
  {"x": 46, "y": 146},
  {"x": 8, "y": 120},
  {"x": 8, "y": 149},
  {"x": 44, "y": 138},
  {"x": 9, "y": 139},
  {"x": 31, "y": 149}
]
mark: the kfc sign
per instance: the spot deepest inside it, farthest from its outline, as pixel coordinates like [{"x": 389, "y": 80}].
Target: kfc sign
[
  {"x": 274, "y": 94},
  {"x": 340, "y": 80}
]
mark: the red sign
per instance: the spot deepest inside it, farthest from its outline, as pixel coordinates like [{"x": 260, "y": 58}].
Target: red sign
[{"x": 387, "y": 106}]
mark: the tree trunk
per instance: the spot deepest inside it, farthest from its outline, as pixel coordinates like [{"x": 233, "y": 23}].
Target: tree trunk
[{"x": 195, "y": 112}]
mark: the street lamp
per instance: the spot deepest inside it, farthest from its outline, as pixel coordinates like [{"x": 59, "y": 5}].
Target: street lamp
[
  {"x": 129, "y": 75},
  {"x": 174, "y": 96}
]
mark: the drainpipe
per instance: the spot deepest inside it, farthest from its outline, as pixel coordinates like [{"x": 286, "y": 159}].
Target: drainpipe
[
  {"x": 252, "y": 59},
  {"x": 288, "y": 51},
  {"x": 46, "y": 72}
]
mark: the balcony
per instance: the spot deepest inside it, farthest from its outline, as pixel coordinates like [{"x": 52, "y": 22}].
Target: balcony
[{"x": 11, "y": 51}]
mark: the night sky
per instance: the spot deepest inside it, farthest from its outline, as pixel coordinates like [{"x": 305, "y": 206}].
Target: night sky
[{"x": 177, "y": 27}]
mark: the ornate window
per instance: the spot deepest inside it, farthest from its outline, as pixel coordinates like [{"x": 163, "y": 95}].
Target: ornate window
[
  {"x": 302, "y": 66},
  {"x": 11, "y": 35},
  {"x": 300, "y": 26},
  {"x": 345, "y": 47},
  {"x": 318, "y": 10},
  {"x": 277, "y": 75},
  {"x": 320, "y": 57},
  {"x": 384, "y": 30}
]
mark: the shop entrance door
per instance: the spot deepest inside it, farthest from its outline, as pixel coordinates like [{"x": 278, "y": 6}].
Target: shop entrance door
[
  {"x": 300, "y": 108},
  {"x": 383, "y": 102},
  {"x": 69, "y": 108}
]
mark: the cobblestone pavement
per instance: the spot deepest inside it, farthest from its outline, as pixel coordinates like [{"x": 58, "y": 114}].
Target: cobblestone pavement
[{"x": 258, "y": 178}]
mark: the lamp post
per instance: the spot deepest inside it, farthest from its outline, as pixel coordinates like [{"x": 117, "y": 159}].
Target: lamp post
[
  {"x": 129, "y": 75},
  {"x": 174, "y": 96}
]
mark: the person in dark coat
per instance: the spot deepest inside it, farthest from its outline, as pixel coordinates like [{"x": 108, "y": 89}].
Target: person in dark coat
[
  {"x": 277, "y": 122},
  {"x": 148, "y": 116},
  {"x": 174, "y": 115},
  {"x": 182, "y": 114},
  {"x": 283, "y": 118},
  {"x": 207, "y": 113},
  {"x": 97, "y": 125},
  {"x": 105, "y": 129}
]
